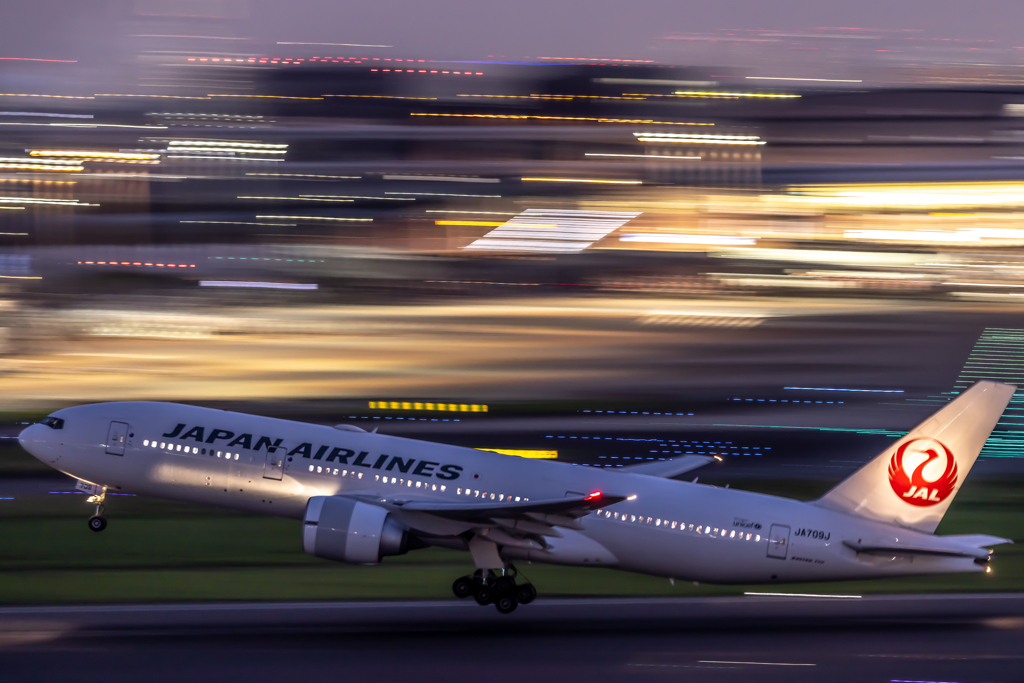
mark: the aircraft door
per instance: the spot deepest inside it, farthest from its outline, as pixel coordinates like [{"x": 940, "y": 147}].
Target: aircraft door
[
  {"x": 116, "y": 436},
  {"x": 274, "y": 466},
  {"x": 778, "y": 541}
]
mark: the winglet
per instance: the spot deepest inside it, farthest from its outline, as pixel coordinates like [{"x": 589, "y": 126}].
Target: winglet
[{"x": 669, "y": 468}]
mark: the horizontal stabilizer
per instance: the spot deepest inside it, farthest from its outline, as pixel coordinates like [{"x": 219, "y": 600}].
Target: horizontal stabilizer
[
  {"x": 977, "y": 540},
  {"x": 669, "y": 468},
  {"x": 939, "y": 548}
]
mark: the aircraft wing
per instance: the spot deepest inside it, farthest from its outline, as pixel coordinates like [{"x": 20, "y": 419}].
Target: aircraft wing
[
  {"x": 669, "y": 468},
  {"x": 571, "y": 507}
]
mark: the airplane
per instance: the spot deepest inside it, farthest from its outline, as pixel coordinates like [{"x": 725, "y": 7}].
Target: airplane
[{"x": 364, "y": 496}]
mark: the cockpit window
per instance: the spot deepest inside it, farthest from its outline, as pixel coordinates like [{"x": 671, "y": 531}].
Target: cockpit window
[{"x": 53, "y": 422}]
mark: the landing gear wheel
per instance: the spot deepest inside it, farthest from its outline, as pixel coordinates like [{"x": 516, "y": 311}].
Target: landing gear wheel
[
  {"x": 526, "y": 593},
  {"x": 504, "y": 586},
  {"x": 506, "y": 603},
  {"x": 464, "y": 587},
  {"x": 97, "y": 523},
  {"x": 484, "y": 595}
]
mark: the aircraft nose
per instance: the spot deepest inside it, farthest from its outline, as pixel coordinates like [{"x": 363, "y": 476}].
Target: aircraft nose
[{"x": 32, "y": 440}]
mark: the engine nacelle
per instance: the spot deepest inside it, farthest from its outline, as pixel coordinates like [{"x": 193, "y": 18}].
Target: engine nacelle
[{"x": 337, "y": 528}]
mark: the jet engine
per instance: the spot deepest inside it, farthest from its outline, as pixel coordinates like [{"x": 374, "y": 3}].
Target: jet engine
[{"x": 338, "y": 528}]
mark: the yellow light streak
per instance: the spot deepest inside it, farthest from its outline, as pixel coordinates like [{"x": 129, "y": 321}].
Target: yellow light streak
[
  {"x": 268, "y": 97},
  {"x": 416, "y": 405},
  {"x": 562, "y": 118},
  {"x": 558, "y": 97},
  {"x": 21, "y": 277},
  {"x": 482, "y": 224},
  {"x": 59, "y": 97},
  {"x": 90, "y": 154},
  {"x": 523, "y": 453},
  {"x": 36, "y": 180},
  {"x": 584, "y": 180},
  {"x": 31, "y": 167},
  {"x": 711, "y": 94},
  {"x": 384, "y": 97},
  {"x": 702, "y": 93},
  {"x": 909, "y": 195}
]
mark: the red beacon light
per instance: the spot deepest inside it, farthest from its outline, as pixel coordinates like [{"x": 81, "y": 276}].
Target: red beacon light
[{"x": 593, "y": 495}]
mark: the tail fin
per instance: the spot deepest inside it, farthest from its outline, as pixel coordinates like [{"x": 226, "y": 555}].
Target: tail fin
[{"x": 913, "y": 483}]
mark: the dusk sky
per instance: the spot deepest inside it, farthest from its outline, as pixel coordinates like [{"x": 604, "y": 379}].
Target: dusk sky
[{"x": 78, "y": 30}]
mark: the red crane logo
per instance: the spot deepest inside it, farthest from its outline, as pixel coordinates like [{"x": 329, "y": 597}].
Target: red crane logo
[{"x": 914, "y": 488}]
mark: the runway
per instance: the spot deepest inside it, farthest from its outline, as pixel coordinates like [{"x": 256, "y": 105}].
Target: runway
[{"x": 874, "y": 638}]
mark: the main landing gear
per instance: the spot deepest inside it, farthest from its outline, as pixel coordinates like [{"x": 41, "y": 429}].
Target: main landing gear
[
  {"x": 97, "y": 522},
  {"x": 487, "y": 586}
]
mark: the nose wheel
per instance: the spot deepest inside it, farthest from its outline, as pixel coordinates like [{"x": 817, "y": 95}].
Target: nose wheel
[{"x": 97, "y": 522}]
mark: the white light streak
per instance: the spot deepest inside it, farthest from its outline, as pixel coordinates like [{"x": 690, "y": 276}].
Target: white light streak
[
  {"x": 445, "y": 194},
  {"x": 39, "y": 160},
  {"x": 35, "y": 200},
  {"x": 804, "y": 595},
  {"x": 690, "y": 239},
  {"x": 345, "y": 196},
  {"x": 552, "y": 230},
  {"x": 335, "y": 44},
  {"x": 317, "y": 218},
  {"x": 583, "y": 180},
  {"x": 442, "y": 178},
  {"x": 306, "y": 175},
  {"x": 813, "y": 80},
  {"x": 863, "y": 391},
  {"x": 47, "y": 114},
  {"x": 716, "y": 661},
  {"x": 301, "y": 199},
  {"x": 913, "y": 235},
  {"x": 747, "y": 140},
  {"x": 255, "y": 285},
  {"x": 656, "y": 157},
  {"x": 274, "y": 225},
  {"x": 489, "y": 213},
  {"x": 212, "y": 158}
]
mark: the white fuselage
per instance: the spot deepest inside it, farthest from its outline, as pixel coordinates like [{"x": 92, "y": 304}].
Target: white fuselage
[{"x": 270, "y": 466}]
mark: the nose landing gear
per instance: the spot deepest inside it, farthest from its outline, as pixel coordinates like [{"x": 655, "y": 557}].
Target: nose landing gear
[
  {"x": 487, "y": 586},
  {"x": 97, "y": 522}
]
